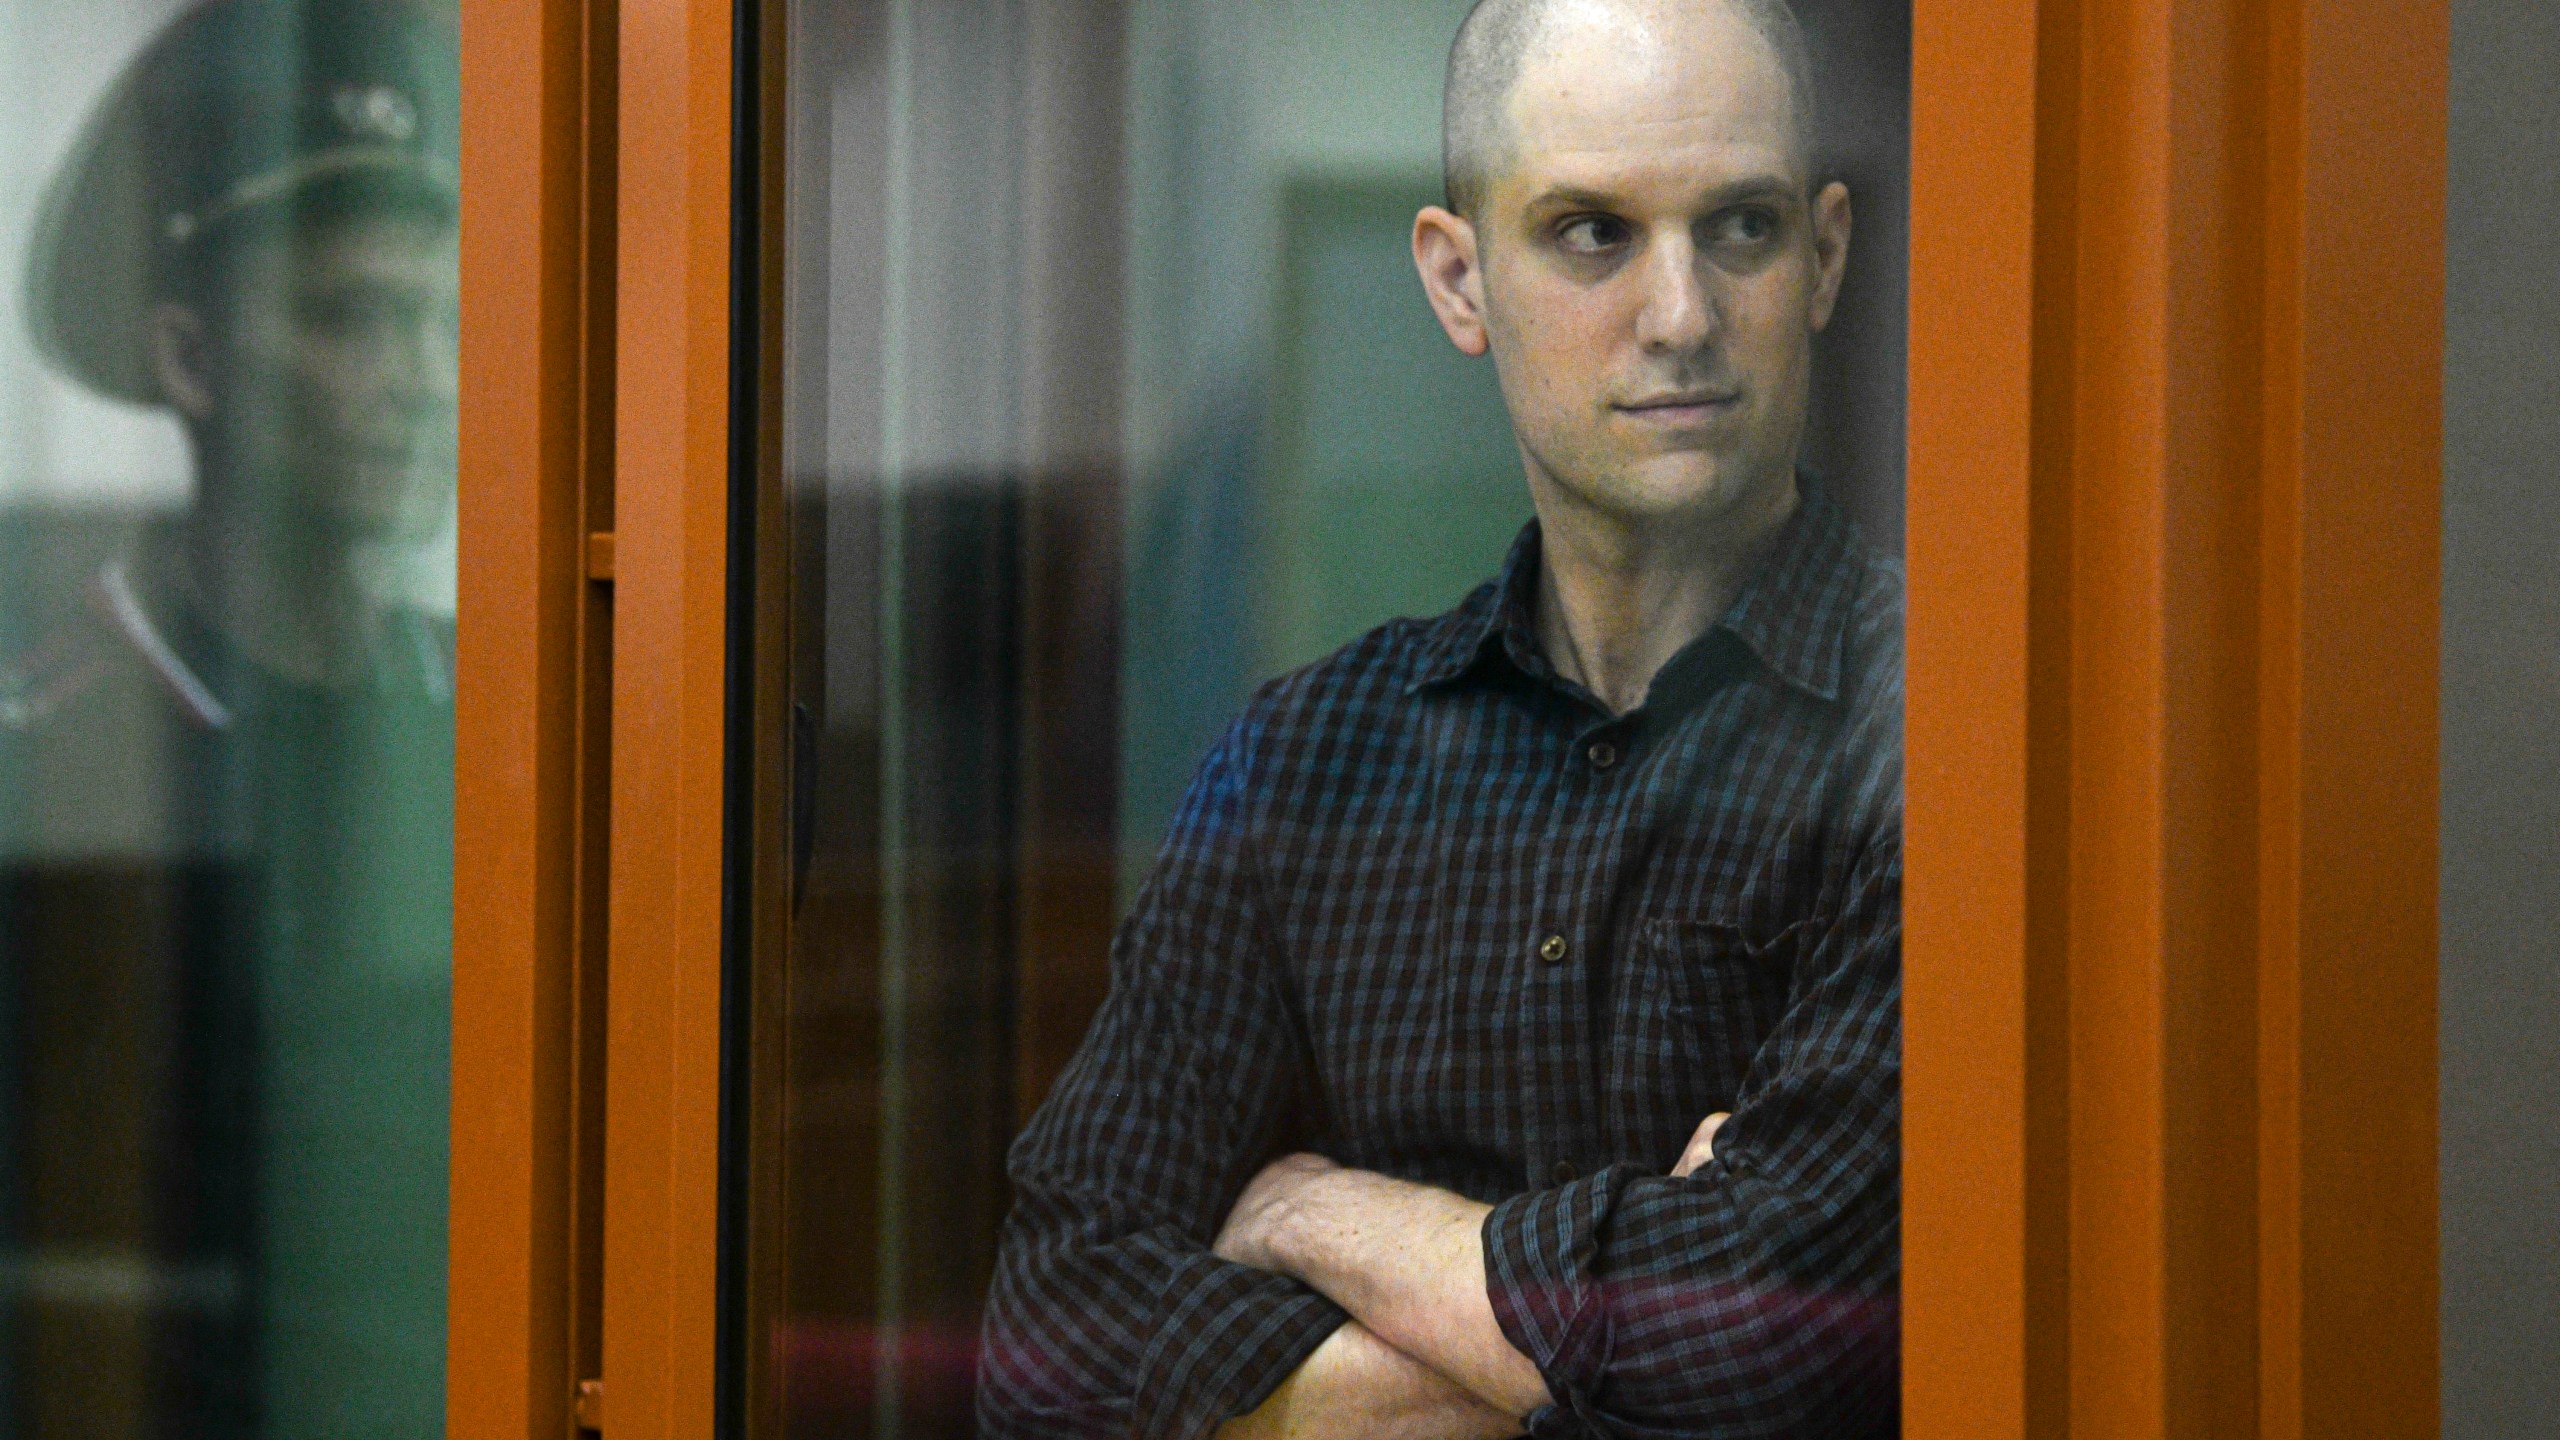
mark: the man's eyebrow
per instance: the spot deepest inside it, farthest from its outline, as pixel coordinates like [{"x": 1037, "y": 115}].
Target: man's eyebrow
[{"x": 1752, "y": 187}]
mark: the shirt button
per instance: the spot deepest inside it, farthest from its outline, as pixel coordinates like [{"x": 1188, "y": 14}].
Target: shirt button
[
  {"x": 1604, "y": 756},
  {"x": 1553, "y": 952},
  {"x": 1564, "y": 1172}
]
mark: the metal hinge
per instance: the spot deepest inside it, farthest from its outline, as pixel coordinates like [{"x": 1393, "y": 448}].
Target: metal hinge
[{"x": 589, "y": 1406}]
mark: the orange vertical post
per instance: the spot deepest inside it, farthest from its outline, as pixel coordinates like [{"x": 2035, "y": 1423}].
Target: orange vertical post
[
  {"x": 524, "y": 118},
  {"x": 670, "y": 563},
  {"x": 2169, "y": 1014},
  {"x": 1978, "y": 1027}
]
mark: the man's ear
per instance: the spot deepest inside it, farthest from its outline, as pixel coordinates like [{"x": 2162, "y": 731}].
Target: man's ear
[
  {"x": 1444, "y": 250},
  {"x": 1830, "y": 249},
  {"x": 179, "y": 359}
]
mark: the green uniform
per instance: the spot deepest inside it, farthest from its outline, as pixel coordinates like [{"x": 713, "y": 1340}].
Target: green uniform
[{"x": 348, "y": 803}]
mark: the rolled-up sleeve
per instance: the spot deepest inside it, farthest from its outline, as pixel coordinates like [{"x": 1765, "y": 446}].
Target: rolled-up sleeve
[
  {"x": 1757, "y": 1297},
  {"x": 1109, "y": 1316}
]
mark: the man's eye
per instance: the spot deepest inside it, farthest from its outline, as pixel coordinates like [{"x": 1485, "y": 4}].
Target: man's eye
[
  {"x": 1749, "y": 225},
  {"x": 1591, "y": 234}
]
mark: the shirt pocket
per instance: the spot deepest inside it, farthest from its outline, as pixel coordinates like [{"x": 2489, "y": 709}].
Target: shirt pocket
[{"x": 1702, "y": 997}]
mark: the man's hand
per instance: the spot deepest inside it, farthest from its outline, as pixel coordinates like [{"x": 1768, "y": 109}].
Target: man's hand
[
  {"x": 1406, "y": 1260},
  {"x": 1358, "y": 1387},
  {"x": 1702, "y": 1147}
]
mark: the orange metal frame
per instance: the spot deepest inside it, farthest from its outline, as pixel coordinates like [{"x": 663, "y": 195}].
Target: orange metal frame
[
  {"x": 669, "y": 721},
  {"x": 2169, "y": 1015},
  {"x": 532, "y": 632}
]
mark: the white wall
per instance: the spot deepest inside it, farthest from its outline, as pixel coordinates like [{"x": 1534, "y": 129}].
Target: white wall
[{"x": 60, "y": 445}]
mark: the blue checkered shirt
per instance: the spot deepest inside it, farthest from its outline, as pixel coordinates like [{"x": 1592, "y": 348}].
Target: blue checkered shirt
[{"x": 1430, "y": 910}]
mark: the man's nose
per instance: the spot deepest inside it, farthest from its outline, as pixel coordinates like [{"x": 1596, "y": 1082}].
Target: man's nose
[{"x": 1679, "y": 315}]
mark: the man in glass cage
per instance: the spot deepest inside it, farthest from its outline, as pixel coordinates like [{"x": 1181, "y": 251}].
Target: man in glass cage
[{"x": 1506, "y": 1040}]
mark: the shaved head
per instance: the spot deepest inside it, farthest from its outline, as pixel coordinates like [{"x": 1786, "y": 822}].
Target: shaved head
[{"x": 1500, "y": 37}]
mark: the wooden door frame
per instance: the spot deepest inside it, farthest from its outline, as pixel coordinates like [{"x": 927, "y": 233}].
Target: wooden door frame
[{"x": 2174, "y": 473}]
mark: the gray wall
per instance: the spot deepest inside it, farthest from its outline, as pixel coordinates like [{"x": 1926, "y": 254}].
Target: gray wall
[{"x": 2501, "y": 977}]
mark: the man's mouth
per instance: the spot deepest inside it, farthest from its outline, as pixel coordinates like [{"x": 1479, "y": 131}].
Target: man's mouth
[{"x": 1683, "y": 407}]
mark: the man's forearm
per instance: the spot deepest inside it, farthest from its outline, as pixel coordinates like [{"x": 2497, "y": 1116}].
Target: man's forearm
[
  {"x": 1358, "y": 1387},
  {"x": 1406, "y": 1260}
]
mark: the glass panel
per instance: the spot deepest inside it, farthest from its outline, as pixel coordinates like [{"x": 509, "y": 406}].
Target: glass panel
[
  {"x": 227, "y": 381},
  {"x": 1109, "y": 392}
]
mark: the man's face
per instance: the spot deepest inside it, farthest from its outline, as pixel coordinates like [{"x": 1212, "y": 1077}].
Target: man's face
[
  {"x": 1654, "y": 265},
  {"x": 331, "y": 376}
]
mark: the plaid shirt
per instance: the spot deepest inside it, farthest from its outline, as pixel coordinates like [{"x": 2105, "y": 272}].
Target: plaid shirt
[{"x": 1431, "y": 911}]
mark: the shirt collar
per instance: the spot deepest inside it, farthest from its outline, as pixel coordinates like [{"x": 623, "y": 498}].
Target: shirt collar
[
  {"x": 164, "y": 651},
  {"x": 1506, "y": 605},
  {"x": 1795, "y": 610},
  {"x": 1792, "y": 614}
]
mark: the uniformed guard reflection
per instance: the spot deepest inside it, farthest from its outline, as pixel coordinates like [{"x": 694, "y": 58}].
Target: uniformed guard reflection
[{"x": 253, "y": 735}]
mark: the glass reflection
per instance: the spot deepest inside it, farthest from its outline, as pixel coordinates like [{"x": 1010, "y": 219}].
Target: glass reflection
[{"x": 226, "y": 724}]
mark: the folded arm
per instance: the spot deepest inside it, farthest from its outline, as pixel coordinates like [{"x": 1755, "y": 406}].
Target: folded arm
[
  {"x": 1753, "y": 1294},
  {"x": 1358, "y": 1387},
  {"x": 1408, "y": 1262}
]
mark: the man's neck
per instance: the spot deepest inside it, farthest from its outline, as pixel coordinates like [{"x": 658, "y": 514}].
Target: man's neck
[
  {"x": 285, "y": 597},
  {"x": 1618, "y": 598}
]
